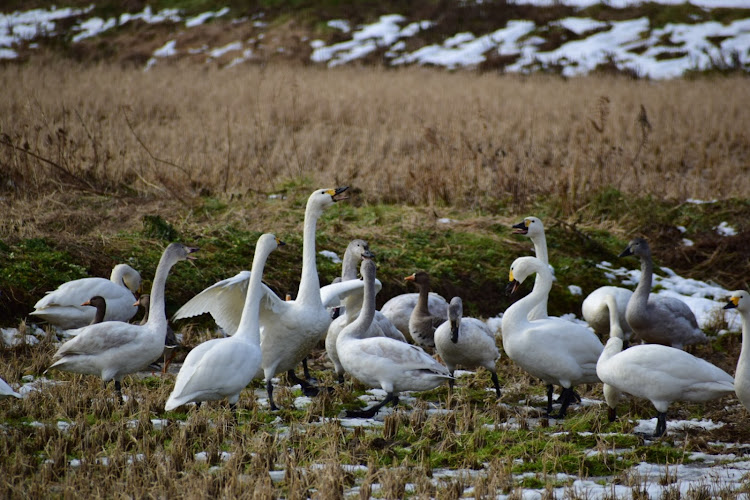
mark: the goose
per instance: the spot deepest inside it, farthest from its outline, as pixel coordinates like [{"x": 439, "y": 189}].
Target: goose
[
  {"x": 468, "y": 342},
  {"x": 352, "y": 304},
  {"x": 222, "y": 367},
  {"x": 383, "y": 362},
  {"x": 170, "y": 340},
  {"x": 7, "y": 391},
  {"x": 555, "y": 350},
  {"x": 62, "y": 307},
  {"x": 740, "y": 300},
  {"x": 289, "y": 329},
  {"x": 422, "y": 324},
  {"x": 656, "y": 319},
  {"x": 660, "y": 374},
  {"x": 398, "y": 309},
  {"x": 100, "y": 305},
  {"x": 113, "y": 349}
]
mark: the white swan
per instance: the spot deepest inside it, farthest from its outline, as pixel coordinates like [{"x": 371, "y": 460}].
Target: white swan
[
  {"x": 741, "y": 301},
  {"x": 63, "y": 308},
  {"x": 383, "y": 362},
  {"x": 596, "y": 311},
  {"x": 660, "y": 374},
  {"x": 221, "y": 368},
  {"x": 467, "y": 342},
  {"x": 534, "y": 229},
  {"x": 398, "y": 309},
  {"x": 289, "y": 329},
  {"x": 655, "y": 319},
  {"x": 555, "y": 350},
  {"x": 114, "y": 349},
  {"x": 7, "y": 391},
  {"x": 352, "y": 304}
]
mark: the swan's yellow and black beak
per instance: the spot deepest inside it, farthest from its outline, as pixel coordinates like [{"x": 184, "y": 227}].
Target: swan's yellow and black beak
[
  {"x": 338, "y": 193},
  {"x": 367, "y": 254},
  {"x": 190, "y": 251},
  {"x": 522, "y": 227},
  {"x": 279, "y": 243},
  {"x": 512, "y": 287},
  {"x": 734, "y": 301},
  {"x": 627, "y": 252}
]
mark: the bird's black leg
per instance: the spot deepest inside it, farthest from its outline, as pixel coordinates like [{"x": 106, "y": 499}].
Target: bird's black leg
[
  {"x": 307, "y": 388},
  {"x": 612, "y": 414},
  {"x": 306, "y": 371},
  {"x": 661, "y": 424},
  {"x": 496, "y": 383},
  {"x": 566, "y": 397},
  {"x": 269, "y": 390},
  {"x": 370, "y": 412},
  {"x": 550, "y": 391},
  {"x": 341, "y": 378},
  {"x": 118, "y": 391},
  {"x": 451, "y": 382}
]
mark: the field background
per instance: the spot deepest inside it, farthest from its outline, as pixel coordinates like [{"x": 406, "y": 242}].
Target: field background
[{"x": 101, "y": 162}]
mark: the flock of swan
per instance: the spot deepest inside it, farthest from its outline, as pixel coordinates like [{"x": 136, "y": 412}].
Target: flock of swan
[{"x": 392, "y": 349}]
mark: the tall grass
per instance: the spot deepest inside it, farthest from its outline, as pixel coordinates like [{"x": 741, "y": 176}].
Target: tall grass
[{"x": 412, "y": 136}]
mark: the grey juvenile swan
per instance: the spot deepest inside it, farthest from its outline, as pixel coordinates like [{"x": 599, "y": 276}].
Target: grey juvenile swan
[{"x": 655, "y": 319}]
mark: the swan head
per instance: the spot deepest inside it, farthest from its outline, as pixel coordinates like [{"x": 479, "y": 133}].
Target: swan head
[
  {"x": 523, "y": 267},
  {"x": 129, "y": 276},
  {"x": 321, "y": 199},
  {"x": 360, "y": 249},
  {"x": 530, "y": 226},
  {"x": 420, "y": 278},
  {"x": 455, "y": 312},
  {"x": 739, "y": 300},
  {"x": 638, "y": 247},
  {"x": 178, "y": 251}
]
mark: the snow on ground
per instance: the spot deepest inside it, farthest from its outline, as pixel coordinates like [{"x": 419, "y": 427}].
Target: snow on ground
[{"x": 631, "y": 45}]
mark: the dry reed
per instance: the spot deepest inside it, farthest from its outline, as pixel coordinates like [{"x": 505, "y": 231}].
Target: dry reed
[{"x": 410, "y": 136}]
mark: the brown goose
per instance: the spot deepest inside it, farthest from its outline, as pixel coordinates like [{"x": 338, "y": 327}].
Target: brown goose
[{"x": 422, "y": 324}]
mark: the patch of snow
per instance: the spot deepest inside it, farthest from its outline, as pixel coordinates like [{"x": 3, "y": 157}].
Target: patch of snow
[
  {"x": 217, "y": 53},
  {"x": 579, "y": 25},
  {"x": 687, "y": 242},
  {"x": 695, "y": 201},
  {"x": 725, "y": 229},
  {"x": 330, "y": 256},
  {"x": 205, "y": 16},
  {"x": 167, "y": 50},
  {"x": 340, "y": 24},
  {"x": 682, "y": 229},
  {"x": 575, "y": 290}
]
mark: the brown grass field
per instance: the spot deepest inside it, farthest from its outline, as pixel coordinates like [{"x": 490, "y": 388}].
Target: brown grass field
[{"x": 86, "y": 151}]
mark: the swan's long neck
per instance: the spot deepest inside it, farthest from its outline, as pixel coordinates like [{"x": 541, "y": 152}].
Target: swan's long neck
[
  {"x": 349, "y": 266},
  {"x": 309, "y": 286},
  {"x": 615, "y": 342},
  {"x": 249, "y": 327},
  {"x": 118, "y": 273},
  {"x": 358, "y": 328},
  {"x": 642, "y": 291},
  {"x": 540, "y": 247},
  {"x": 516, "y": 316},
  {"x": 156, "y": 313},
  {"x": 743, "y": 363}
]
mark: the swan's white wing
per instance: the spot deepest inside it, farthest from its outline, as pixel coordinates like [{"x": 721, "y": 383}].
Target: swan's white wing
[
  {"x": 78, "y": 291},
  {"x": 6, "y": 390},
  {"x": 331, "y": 294}
]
